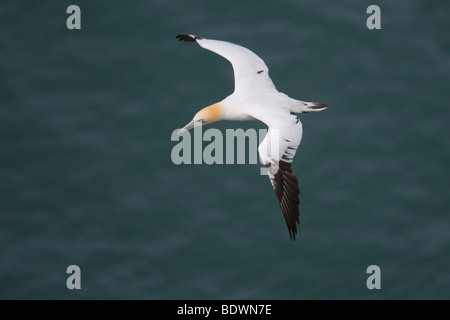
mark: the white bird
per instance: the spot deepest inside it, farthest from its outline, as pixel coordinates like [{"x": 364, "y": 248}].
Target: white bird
[{"x": 256, "y": 98}]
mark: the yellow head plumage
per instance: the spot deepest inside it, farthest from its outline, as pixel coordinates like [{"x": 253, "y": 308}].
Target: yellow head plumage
[{"x": 208, "y": 114}]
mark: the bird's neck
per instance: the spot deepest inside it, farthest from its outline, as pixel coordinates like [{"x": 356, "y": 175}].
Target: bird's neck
[{"x": 213, "y": 112}]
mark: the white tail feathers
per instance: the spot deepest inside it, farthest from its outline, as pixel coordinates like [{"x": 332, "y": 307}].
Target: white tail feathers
[{"x": 313, "y": 106}]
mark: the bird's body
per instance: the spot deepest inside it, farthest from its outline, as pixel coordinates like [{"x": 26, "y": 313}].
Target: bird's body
[{"x": 256, "y": 98}]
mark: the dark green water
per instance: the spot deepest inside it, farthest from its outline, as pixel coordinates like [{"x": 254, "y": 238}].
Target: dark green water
[{"x": 86, "y": 176}]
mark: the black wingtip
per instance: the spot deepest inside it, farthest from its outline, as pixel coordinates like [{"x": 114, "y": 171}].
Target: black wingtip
[
  {"x": 285, "y": 184},
  {"x": 292, "y": 234},
  {"x": 187, "y": 38}
]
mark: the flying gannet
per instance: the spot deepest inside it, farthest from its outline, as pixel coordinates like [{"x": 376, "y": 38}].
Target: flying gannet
[{"x": 256, "y": 98}]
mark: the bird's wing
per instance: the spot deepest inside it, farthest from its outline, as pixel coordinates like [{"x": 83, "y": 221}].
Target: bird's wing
[
  {"x": 277, "y": 152},
  {"x": 285, "y": 184},
  {"x": 250, "y": 71}
]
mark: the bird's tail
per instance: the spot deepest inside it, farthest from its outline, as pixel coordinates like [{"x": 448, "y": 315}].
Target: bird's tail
[{"x": 313, "y": 106}]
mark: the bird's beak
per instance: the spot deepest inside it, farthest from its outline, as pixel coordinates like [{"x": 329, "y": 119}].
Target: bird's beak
[{"x": 190, "y": 125}]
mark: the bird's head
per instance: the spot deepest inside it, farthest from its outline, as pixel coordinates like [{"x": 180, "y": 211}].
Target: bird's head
[{"x": 207, "y": 115}]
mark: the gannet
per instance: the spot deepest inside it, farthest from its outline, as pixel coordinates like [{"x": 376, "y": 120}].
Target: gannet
[{"x": 256, "y": 98}]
